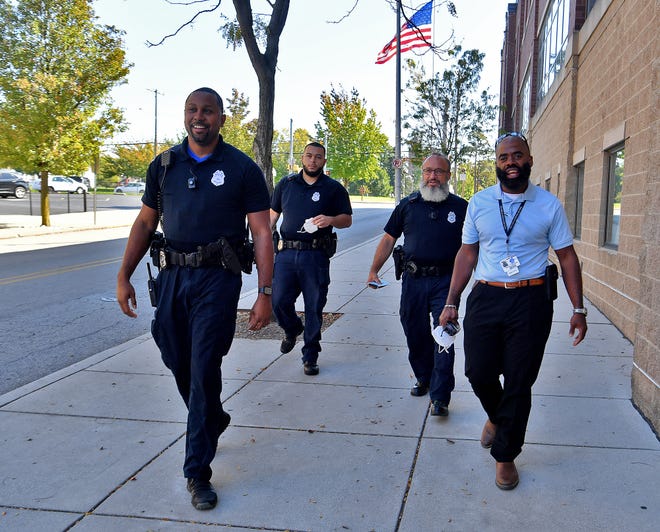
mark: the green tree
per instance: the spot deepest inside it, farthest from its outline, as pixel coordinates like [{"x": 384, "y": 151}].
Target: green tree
[
  {"x": 355, "y": 139},
  {"x": 386, "y": 186},
  {"x": 56, "y": 73},
  {"x": 447, "y": 112},
  {"x": 128, "y": 160},
  {"x": 238, "y": 130}
]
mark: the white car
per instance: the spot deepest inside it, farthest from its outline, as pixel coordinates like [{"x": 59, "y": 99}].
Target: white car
[
  {"x": 60, "y": 183},
  {"x": 130, "y": 188}
]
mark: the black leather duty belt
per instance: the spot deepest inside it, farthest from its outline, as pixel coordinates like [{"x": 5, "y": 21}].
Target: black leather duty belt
[
  {"x": 192, "y": 260},
  {"x": 427, "y": 271},
  {"x": 298, "y": 244}
]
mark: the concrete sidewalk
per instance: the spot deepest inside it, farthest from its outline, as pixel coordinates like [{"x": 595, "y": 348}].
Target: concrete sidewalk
[{"x": 99, "y": 445}]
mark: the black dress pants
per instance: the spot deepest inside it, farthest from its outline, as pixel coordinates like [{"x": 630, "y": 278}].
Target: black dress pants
[
  {"x": 419, "y": 298},
  {"x": 505, "y": 332},
  {"x": 193, "y": 327}
]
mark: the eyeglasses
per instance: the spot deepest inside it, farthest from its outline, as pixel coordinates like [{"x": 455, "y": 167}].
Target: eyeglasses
[
  {"x": 511, "y": 134},
  {"x": 434, "y": 171}
]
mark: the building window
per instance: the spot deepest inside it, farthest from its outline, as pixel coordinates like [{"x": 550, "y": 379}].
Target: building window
[
  {"x": 552, "y": 46},
  {"x": 524, "y": 106},
  {"x": 616, "y": 158},
  {"x": 579, "y": 191}
]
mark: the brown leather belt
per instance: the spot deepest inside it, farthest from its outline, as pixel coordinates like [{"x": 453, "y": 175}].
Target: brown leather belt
[{"x": 514, "y": 284}]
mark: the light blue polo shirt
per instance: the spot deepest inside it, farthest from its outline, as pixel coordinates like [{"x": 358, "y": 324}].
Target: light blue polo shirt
[{"x": 542, "y": 223}]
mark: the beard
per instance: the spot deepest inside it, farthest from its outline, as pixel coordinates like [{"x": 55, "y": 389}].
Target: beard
[
  {"x": 517, "y": 184},
  {"x": 314, "y": 173},
  {"x": 434, "y": 194},
  {"x": 204, "y": 138}
]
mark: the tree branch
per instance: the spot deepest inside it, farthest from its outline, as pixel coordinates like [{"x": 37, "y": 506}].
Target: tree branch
[
  {"x": 191, "y": 21},
  {"x": 437, "y": 49},
  {"x": 348, "y": 14}
]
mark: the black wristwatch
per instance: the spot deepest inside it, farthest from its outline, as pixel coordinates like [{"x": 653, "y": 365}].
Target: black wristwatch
[{"x": 266, "y": 290}]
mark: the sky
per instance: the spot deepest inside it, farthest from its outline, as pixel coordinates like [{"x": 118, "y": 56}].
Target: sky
[{"x": 316, "y": 53}]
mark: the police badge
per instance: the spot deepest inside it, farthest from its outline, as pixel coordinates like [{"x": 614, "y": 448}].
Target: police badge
[
  {"x": 162, "y": 259},
  {"x": 218, "y": 178}
]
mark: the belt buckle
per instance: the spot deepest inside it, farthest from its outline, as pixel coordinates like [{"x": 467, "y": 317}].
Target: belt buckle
[
  {"x": 280, "y": 245},
  {"x": 192, "y": 259},
  {"x": 515, "y": 284}
]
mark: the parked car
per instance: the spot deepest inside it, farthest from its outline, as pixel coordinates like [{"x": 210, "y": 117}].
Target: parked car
[
  {"x": 60, "y": 183},
  {"x": 130, "y": 188},
  {"x": 13, "y": 185},
  {"x": 82, "y": 180}
]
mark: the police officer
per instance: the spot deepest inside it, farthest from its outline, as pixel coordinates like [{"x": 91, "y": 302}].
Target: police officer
[
  {"x": 431, "y": 221},
  {"x": 311, "y": 204},
  {"x": 201, "y": 192}
]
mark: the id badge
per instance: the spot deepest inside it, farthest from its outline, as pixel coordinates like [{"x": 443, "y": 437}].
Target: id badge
[{"x": 510, "y": 265}]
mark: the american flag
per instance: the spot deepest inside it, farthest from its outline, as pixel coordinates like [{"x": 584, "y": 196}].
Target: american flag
[{"x": 414, "y": 34}]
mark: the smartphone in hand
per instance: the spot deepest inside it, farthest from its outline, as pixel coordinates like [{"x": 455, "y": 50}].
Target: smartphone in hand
[{"x": 374, "y": 284}]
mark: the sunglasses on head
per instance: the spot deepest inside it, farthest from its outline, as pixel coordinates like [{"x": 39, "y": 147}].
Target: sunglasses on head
[{"x": 511, "y": 134}]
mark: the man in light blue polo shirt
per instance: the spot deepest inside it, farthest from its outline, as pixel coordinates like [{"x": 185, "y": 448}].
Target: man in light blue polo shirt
[{"x": 507, "y": 233}]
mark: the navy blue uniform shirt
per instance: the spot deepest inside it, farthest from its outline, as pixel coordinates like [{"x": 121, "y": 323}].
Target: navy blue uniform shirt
[
  {"x": 432, "y": 231},
  {"x": 299, "y": 201},
  {"x": 227, "y": 186}
]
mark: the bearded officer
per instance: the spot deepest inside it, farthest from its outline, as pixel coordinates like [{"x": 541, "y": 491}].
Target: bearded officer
[
  {"x": 312, "y": 204},
  {"x": 431, "y": 221}
]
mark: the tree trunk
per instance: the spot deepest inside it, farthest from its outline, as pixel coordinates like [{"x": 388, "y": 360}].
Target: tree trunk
[
  {"x": 263, "y": 140},
  {"x": 45, "y": 205},
  {"x": 264, "y": 65}
]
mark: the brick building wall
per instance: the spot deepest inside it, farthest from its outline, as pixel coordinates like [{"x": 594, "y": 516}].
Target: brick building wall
[{"x": 605, "y": 95}]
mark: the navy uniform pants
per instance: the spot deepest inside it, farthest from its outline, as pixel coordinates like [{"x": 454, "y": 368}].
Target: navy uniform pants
[
  {"x": 420, "y": 297},
  {"x": 306, "y": 272},
  {"x": 194, "y": 326},
  {"x": 505, "y": 332}
]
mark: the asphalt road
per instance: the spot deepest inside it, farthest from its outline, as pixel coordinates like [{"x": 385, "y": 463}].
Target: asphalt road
[
  {"x": 67, "y": 203},
  {"x": 58, "y": 306}
]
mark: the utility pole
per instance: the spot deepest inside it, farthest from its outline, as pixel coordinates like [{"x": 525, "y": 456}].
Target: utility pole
[
  {"x": 326, "y": 143},
  {"x": 476, "y": 180},
  {"x": 397, "y": 127},
  {"x": 156, "y": 93},
  {"x": 291, "y": 160}
]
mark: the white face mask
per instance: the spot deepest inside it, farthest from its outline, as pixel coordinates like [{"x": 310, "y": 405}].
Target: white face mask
[
  {"x": 443, "y": 338},
  {"x": 309, "y": 227}
]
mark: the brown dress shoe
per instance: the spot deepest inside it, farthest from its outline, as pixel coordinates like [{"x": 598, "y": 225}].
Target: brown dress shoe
[
  {"x": 506, "y": 475},
  {"x": 488, "y": 434}
]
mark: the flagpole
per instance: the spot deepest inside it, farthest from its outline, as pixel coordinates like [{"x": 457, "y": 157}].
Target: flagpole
[
  {"x": 397, "y": 127},
  {"x": 433, "y": 17}
]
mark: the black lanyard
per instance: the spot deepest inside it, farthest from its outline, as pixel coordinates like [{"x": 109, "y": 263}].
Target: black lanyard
[{"x": 507, "y": 229}]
